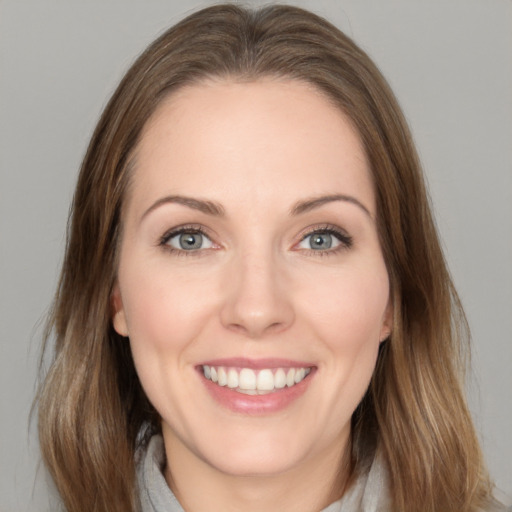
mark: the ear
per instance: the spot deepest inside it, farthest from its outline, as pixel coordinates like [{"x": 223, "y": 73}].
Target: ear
[
  {"x": 117, "y": 312},
  {"x": 387, "y": 323}
]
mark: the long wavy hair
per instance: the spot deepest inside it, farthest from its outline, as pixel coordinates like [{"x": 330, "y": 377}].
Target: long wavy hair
[{"x": 93, "y": 413}]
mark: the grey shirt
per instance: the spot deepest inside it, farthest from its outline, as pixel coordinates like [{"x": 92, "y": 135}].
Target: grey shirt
[{"x": 368, "y": 494}]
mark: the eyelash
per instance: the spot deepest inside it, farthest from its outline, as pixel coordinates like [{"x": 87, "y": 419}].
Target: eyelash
[
  {"x": 346, "y": 241},
  {"x": 192, "y": 229}
]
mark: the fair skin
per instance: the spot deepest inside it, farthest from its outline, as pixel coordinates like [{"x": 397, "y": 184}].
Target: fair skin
[{"x": 250, "y": 244}]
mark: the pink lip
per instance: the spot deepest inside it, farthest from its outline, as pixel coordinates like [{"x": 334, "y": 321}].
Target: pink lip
[
  {"x": 256, "y": 405},
  {"x": 257, "y": 364}
]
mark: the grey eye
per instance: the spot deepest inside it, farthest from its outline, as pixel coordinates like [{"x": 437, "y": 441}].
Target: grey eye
[
  {"x": 319, "y": 241},
  {"x": 191, "y": 241}
]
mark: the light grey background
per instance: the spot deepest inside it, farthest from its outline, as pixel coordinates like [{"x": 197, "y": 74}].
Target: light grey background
[{"x": 450, "y": 64}]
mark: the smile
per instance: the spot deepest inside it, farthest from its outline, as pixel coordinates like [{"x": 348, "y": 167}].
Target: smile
[{"x": 255, "y": 382}]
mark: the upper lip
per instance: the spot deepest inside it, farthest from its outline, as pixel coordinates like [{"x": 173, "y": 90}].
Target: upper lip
[{"x": 257, "y": 364}]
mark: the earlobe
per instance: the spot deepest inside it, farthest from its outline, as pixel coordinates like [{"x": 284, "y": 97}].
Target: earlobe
[
  {"x": 387, "y": 324},
  {"x": 117, "y": 312}
]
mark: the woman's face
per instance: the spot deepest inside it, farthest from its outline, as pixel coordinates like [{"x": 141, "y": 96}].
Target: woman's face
[{"x": 250, "y": 257}]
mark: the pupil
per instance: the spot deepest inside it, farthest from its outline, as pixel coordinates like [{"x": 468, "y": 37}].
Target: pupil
[
  {"x": 323, "y": 241},
  {"x": 191, "y": 241}
]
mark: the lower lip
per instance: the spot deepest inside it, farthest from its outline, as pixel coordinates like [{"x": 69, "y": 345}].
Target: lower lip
[{"x": 257, "y": 404}]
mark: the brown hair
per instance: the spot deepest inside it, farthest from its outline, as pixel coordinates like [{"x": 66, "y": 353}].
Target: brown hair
[{"x": 92, "y": 410}]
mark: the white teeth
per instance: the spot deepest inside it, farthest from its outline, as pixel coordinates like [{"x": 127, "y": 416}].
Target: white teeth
[
  {"x": 265, "y": 380},
  {"x": 247, "y": 391},
  {"x": 247, "y": 379},
  {"x": 254, "y": 382},
  {"x": 232, "y": 378},
  {"x": 280, "y": 379},
  {"x": 222, "y": 377}
]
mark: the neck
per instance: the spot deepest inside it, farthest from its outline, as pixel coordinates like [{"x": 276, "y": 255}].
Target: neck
[{"x": 309, "y": 486}]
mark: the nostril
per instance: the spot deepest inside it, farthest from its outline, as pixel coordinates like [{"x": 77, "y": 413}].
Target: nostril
[
  {"x": 256, "y": 303},
  {"x": 257, "y": 326}
]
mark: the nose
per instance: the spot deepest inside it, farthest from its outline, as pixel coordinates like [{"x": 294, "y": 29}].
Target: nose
[{"x": 257, "y": 298}]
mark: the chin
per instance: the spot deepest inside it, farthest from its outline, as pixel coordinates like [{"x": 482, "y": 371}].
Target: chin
[
  {"x": 256, "y": 451},
  {"x": 254, "y": 461}
]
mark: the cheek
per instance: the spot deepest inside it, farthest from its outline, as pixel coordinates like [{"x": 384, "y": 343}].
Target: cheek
[
  {"x": 350, "y": 320},
  {"x": 348, "y": 306},
  {"x": 164, "y": 309},
  {"x": 165, "y": 312}
]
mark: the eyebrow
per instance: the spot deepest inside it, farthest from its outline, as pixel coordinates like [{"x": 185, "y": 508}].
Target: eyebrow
[
  {"x": 215, "y": 209},
  {"x": 208, "y": 207},
  {"x": 315, "y": 202}
]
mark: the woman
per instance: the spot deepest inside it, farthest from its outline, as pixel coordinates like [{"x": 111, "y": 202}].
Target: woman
[{"x": 254, "y": 310}]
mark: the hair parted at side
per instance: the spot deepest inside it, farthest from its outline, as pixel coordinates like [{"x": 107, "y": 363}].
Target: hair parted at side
[{"x": 92, "y": 409}]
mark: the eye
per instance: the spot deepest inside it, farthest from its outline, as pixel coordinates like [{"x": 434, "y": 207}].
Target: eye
[
  {"x": 187, "y": 240},
  {"x": 325, "y": 240}
]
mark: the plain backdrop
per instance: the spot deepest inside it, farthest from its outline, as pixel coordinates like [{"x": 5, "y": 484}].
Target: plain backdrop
[{"x": 450, "y": 64}]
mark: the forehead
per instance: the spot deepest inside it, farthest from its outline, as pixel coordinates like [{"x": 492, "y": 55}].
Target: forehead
[{"x": 216, "y": 136}]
